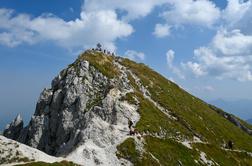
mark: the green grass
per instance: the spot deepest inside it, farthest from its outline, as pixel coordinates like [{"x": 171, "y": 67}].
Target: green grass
[
  {"x": 195, "y": 117},
  {"x": 130, "y": 98},
  {"x": 154, "y": 121},
  {"x": 157, "y": 151},
  {"x": 224, "y": 157},
  {"x": 127, "y": 150},
  {"x": 94, "y": 102},
  {"x": 192, "y": 113},
  {"x": 101, "y": 62},
  {"x": 169, "y": 152}
]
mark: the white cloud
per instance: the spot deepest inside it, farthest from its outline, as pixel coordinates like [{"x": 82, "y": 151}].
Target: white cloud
[
  {"x": 196, "y": 68},
  {"x": 161, "y": 30},
  {"x": 236, "y": 10},
  {"x": 238, "y": 15},
  {"x": 170, "y": 55},
  {"x": 233, "y": 42},
  {"x": 100, "y": 21},
  {"x": 220, "y": 60},
  {"x": 131, "y": 9},
  {"x": 134, "y": 55},
  {"x": 200, "y": 12},
  {"x": 92, "y": 27},
  {"x": 203, "y": 13}
]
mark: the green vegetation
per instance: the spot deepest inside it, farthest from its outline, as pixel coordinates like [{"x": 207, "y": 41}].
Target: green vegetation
[
  {"x": 194, "y": 118},
  {"x": 225, "y": 157},
  {"x": 62, "y": 163},
  {"x": 13, "y": 159},
  {"x": 169, "y": 152},
  {"x": 130, "y": 98},
  {"x": 192, "y": 113},
  {"x": 127, "y": 150},
  {"x": 101, "y": 62},
  {"x": 94, "y": 102},
  {"x": 154, "y": 121}
]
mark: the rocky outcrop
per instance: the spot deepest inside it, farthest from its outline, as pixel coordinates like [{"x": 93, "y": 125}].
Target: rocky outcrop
[
  {"x": 14, "y": 129},
  {"x": 82, "y": 109}
]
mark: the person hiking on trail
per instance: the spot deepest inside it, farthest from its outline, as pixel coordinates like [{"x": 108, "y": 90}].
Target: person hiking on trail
[
  {"x": 230, "y": 144},
  {"x": 132, "y": 132},
  {"x": 130, "y": 124}
]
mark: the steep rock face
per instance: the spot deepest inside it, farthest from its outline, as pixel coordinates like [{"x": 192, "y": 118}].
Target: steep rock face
[{"x": 82, "y": 109}]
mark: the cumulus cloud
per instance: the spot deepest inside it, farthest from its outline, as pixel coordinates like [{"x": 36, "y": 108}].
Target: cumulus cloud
[
  {"x": 130, "y": 9},
  {"x": 170, "y": 55},
  {"x": 200, "y": 12},
  {"x": 235, "y": 11},
  {"x": 134, "y": 55},
  {"x": 232, "y": 42},
  {"x": 196, "y": 68},
  {"x": 224, "y": 58},
  {"x": 102, "y": 21},
  {"x": 161, "y": 30},
  {"x": 229, "y": 54},
  {"x": 203, "y": 13},
  {"x": 92, "y": 27}
]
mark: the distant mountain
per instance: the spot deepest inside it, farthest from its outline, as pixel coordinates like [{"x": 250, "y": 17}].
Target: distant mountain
[
  {"x": 249, "y": 121},
  {"x": 108, "y": 110},
  {"x": 241, "y": 108}
]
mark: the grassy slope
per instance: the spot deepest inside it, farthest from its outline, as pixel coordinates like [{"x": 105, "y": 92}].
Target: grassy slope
[
  {"x": 192, "y": 112},
  {"x": 194, "y": 118}
]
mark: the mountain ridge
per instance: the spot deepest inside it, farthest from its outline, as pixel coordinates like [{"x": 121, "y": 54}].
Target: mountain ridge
[{"x": 85, "y": 117}]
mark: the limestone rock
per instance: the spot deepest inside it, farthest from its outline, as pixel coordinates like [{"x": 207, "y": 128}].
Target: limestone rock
[{"x": 13, "y": 129}]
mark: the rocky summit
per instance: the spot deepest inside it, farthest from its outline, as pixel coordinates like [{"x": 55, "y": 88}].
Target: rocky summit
[{"x": 108, "y": 110}]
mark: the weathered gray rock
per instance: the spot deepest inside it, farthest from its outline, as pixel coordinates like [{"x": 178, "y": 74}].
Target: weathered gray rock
[
  {"x": 13, "y": 129},
  {"x": 44, "y": 101}
]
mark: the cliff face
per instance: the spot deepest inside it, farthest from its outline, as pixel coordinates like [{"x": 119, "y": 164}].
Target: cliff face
[
  {"x": 82, "y": 107},
  {"x": 106, "y": 110}
]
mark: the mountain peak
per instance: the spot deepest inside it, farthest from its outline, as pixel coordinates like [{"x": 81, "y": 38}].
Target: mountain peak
[
  {"x": 108, "y": 110},
  {"x": 13, "y": 129}
]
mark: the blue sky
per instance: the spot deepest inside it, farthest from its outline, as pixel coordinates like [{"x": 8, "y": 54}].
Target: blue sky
[{"x": 204, "y": 46}]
